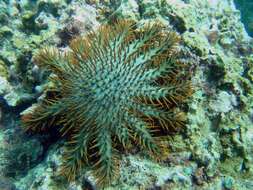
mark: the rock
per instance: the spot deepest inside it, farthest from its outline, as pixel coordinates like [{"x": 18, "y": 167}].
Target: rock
[
  {"x": 5, "y": 32},
  {"x": 16, "y": 98},
  {"x": 224, "y": 102},
  {"x": 226, "y": 42},
  {"x": 228, "y": 182},
  {"x": 28, "y": 20},
  {"x": 13, "y": 97},
  {"x": 18, "y": 153},
  {"x": 4, "y": 86},
  {"x": 82, "y": 21},
  {"x": 6, "y": 184},
  {"x": 3, "y": 69},
  {"x": 51, "y": 6}
]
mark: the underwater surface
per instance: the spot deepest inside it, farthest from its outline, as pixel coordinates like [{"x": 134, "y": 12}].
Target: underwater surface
[{"x": 126, "y": 94}]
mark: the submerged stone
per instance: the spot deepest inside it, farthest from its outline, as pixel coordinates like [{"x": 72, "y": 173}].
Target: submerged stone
[
  {"x": 224, "y": 102},
  {"x": 5, "y": 31},
  {"x": 6, "y": 184}
]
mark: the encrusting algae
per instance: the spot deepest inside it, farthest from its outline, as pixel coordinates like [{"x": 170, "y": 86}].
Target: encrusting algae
[{"x": 117, "y": 87}]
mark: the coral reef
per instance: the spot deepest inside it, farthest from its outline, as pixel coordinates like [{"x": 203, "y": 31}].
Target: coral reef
[
  {"x": 33, "y": 24},
  {"x": 16, "y": 154},
  {"x": 215, "y": 149},
  {"x": 119, "y": 86}
]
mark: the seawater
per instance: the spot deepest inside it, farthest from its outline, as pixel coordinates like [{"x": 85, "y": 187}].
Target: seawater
[{"x": 246, "y": 8}]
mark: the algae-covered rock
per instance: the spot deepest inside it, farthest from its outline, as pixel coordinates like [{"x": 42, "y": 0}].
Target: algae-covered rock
[
  {"x": 138, "y": 173},
  {"x": 224, "y": 102},
  {"x": 12, "y": 96},
  {"x": 4, "y": 86},
  {"x": 51, "y": 6},
  {"x": 5, "y": 32},
  {"x": 6, "y": 184},
  {"x": 18, "y": 154},
  {"x": 28, "y": 20},
  {"x": 16, "y": 98},
  {"x": 3, "y": 70}
]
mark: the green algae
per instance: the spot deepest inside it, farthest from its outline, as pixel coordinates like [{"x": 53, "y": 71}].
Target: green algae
[
  {"x": 5, "y": 31},
  {"x": 234, "y": 167},
  {"x": 3, "y": 70},
  {"x": 28, "y": 20}
]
